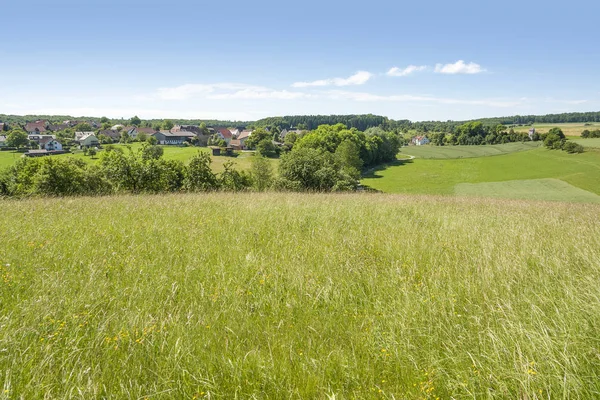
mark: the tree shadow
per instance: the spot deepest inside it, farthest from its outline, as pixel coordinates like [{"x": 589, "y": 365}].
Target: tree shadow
[{"x": 371, "y": 173}]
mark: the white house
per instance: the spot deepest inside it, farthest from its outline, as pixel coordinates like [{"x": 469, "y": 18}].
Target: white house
[
  {"x": 2, "y": 141},
  {"x": 419, "y": 140},
  {"x": 49, "y": 143},
  {"x": 89, "y": 140},
  {"x": 79, "y": 135}
]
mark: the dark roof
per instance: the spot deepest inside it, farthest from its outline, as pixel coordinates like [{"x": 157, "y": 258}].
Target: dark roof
[
  {"x": 176, "y": 134},
  {"x": 58, "y": 127},
  {"x": 40, "y": 126},
  {"x": 110, "y": 133}
]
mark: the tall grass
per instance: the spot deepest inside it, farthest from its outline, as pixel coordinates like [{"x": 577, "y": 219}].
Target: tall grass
[{"x": 298, "y": 296}]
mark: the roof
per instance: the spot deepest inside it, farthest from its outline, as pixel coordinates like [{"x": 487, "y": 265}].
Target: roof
[
  {"x": 58, "y": 127},
  {"x": 46, "y": 139},
  {"x": 226, "y": 133},
  {"x": 40, "y": 126},
  {"x": 176, "y": 134},
  {"x": 2, "y": 138},
  {"x": 87, "y": 135},
  {"x": 244, "y": 134},
  {"x": 146, "y": 130},
  {"x": 235, "y": 142}
]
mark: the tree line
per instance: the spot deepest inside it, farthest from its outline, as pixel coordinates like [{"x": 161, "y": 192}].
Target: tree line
[{"x": 328, "y": 159}]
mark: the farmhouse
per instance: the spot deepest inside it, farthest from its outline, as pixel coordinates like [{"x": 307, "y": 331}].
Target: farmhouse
[
  {"x": 49, "y": 143},
  {"x": 2, "y": 141},
  {"x": 79, "y": 135},
  {"x": 236, "y": 144},
  {"x": 114, "y": 135},
  {"x": 224, "y": 134},
  {"x": 88, "y": 140},
  {"x": 419, "y": 140},
  {"x": 170, "y": 138},
  {"x": 243, "y": 136},
  {"x": 35, "y": 127}
]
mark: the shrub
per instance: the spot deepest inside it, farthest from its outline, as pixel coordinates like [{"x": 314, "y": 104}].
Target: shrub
[{"x": 572, "y": 147}]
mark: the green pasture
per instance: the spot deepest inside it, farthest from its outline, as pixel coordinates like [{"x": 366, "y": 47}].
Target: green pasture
[
  {"x": 440, "y": 176},
  {"x": 445, "y": 152}
]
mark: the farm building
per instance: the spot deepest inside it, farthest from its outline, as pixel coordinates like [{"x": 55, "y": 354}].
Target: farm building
[
  {"x": 419, "y": 140},
  {"x": 171, "y": 138}
]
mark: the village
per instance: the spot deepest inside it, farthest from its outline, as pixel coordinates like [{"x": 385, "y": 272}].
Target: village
[{"x": 45, "y": 138}]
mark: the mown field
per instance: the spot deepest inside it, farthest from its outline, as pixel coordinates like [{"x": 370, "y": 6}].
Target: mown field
[
  {"x": 299, "y": 296},
  {"x": 569, "y": 129},
  {"x": 445, "y": 152},
  {"x": 183, "y": 154},
  {"x": 441, "y": 176}
]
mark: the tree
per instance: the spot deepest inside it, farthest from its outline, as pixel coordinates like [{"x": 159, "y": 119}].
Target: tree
[
  {"x": 104, "y": 120},
  {"x": 258, "y": 135},
  {"x": 167, "y": 125},
  {"x": 125, "y": 138},
  {"x": 203, "y": 129},
  {"x": 199, "y": 176},
  {"x": 152, "y": 140},
  {"x": 572, "y": 147},
  {"x": 136, "y": 121},
  {"x": 553, "y": 141},
  {"x": 150, "y": 152},
  {"x": 142, "y": 136},
  {"x": 267, "y": 148},
  {"x": 83, "y": 127},
  {"x": 348, "y": 157},
  {"x": 17, "y": 138},
  {"x": 557, "y": 131},
  {"x": 91, "y": 152},
  {"x": 261, "y": 173},
  {"x": 232, "y": 179}
]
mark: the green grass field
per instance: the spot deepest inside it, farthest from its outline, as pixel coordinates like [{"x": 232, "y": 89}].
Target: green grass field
[
  {"x": 537, "y": 189},
  {"x": 183, "y": 154},
  {"x": 593, "y": 143},
  {"x": 445, "y": 152},
  {"x": 299, "y": 296},
  {"x": 442, "y": 175}
]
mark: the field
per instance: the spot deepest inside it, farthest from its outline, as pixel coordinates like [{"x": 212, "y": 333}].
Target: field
[
  {"x": 299, "y": 296},
  {"x": 441, "y": 176},
  {"x": 593, "y": 143},
  {"x": 444, "y": 152},
  {"x": 569, "y": 129},
  {"x": 183, "y": 154}
]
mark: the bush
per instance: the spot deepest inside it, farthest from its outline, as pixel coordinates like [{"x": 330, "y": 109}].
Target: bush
[{"x": 572, "y": 147}]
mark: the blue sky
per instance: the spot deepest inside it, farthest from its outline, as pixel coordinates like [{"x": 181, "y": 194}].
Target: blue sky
[{"x": 425, "y": 60}]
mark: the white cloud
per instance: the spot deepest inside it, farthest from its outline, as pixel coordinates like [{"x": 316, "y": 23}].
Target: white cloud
[
  {"x": 359, "y": 78},
  {"x": 225, "y": 91},
  {"x": 395, "y": 71},
  {"x": 459, "y": 67}
]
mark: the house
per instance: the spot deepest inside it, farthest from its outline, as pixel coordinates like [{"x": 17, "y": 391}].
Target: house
[
  {"x": 234, "y": 132},
  {"x": 531, "y": 133},
  {"x": 170, "y": 138},
  {"x": 79, "y": 135},
  {"x": 236, "y": 144},
  {"x": 58, "y": 127},
  {"x": 49, "y": 143},
  {"x": 186, "y": 128},
  {"x": 88, "y": 140},
  {"x": 419, "y": 140},
  {"x": 114, "y": 135},
  {"x": 35, "y": 127},
  {"x": 38, "y": 138},
  {"x": 2, "y": 141},
  {"x": 224, "y": 134},
  {"x": 243, "y": 136}
]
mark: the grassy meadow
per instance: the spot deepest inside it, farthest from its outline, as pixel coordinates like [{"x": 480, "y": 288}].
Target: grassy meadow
[
  {"x": 299, "y": 296},
  {"x": 446, "y": 152},
  {"x": 441, "y": 176}
]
